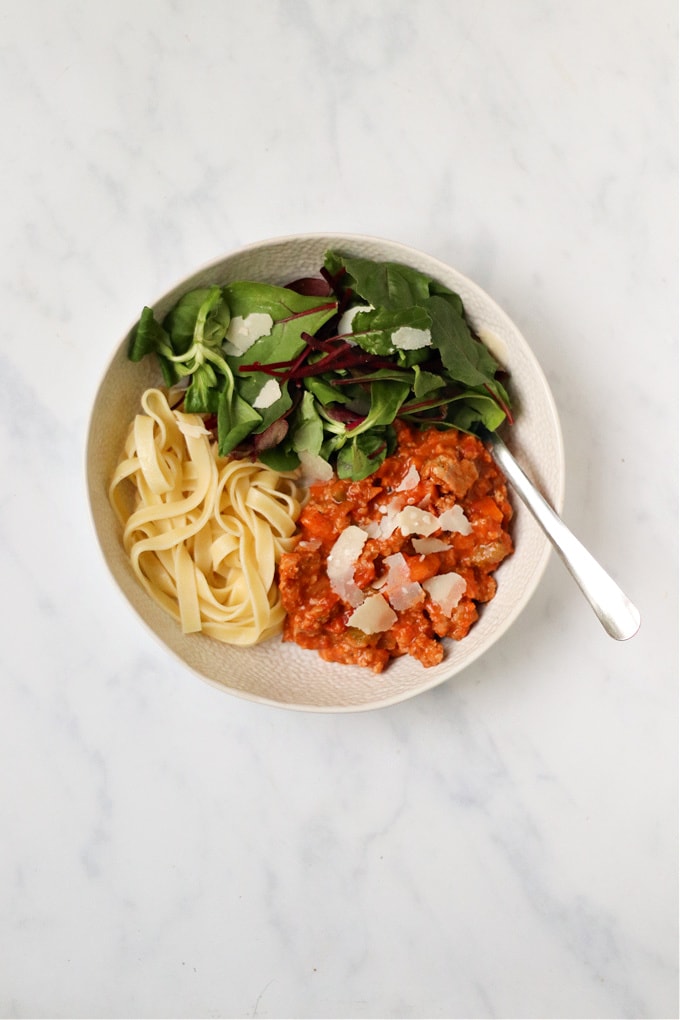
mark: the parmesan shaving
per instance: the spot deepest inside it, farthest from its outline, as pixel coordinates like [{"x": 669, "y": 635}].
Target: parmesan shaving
[
  {"x": 243, "y": 331},
  {"x": 314, "y": 468},
  {"x": 446, "y": 590},
  {"x": 190, "y": 429},
  {"x": 402, "y": 592},
  {"x": 455, "y": 520},
  {"x": 413, "y": 521},
  {"x": 410, "y": 479},
  {"x": 342, "y": 561},
  {"x": 408, "y": 338},
  {"x": 268, "y": 395},
  {"x": 345, "y": 321},
  {"x": 373, "y": 616}
]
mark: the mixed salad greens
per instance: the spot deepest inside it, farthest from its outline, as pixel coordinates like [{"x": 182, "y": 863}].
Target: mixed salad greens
[{"x": 324, "y": 366}]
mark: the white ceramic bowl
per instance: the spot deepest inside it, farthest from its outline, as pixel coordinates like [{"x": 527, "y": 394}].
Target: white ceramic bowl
[{"x": 280, "y": 673}]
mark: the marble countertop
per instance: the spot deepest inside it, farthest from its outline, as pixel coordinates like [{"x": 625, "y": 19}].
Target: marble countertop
[{"x": 503, "y": 846}]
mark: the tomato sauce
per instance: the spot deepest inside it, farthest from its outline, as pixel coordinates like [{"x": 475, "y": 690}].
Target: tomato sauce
[{"x": 451, "y": 468}]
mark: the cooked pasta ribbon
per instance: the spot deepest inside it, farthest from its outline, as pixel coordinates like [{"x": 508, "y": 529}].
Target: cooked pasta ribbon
[{"x": 204, "y": 534}]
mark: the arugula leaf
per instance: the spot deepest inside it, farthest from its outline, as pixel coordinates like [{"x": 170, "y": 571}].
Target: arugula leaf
[
  {"x": 324, "y": 392},
  {"x": 426, "y": 382},
  {"x": 363, "y": 456},
  {"x": 387, "y": 396},
  {"x": 308, "y": 434}
]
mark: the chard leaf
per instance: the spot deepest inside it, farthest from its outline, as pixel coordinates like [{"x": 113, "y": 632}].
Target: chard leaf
[
  {"x": 244, "y": 298},
  {"x": 283, "y": 344}
]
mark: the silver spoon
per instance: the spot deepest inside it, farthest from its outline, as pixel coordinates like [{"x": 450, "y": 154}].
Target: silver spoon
[{"x": 615, "y": 611}]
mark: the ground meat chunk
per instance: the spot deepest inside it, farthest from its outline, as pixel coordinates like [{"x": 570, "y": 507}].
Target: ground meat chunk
[
  {"x": 457, "y": 476},
  {"x": 448, "y": 468}
]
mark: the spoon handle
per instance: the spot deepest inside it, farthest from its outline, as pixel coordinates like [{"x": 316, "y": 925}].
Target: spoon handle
[{"x": 615, "y": 611}]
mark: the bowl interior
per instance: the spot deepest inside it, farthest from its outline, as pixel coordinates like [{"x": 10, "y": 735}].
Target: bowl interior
[{"x": 281, "y": 673}]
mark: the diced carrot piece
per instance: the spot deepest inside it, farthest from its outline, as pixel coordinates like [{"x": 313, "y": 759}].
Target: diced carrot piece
[
  {"x": 422, "y": 567},
  {"x": 487, "y": 507}
]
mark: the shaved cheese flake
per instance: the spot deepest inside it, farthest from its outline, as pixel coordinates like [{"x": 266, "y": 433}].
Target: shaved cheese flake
[
  {"x": 402, "y": 592},
  {"x": 446, "y": 590},
  {"x": 410, "y": 479},
  {"x": 455, "y": 520},
  {"x": 408, "y": 338},
  {"x": 372, "y": 529},
  {"x": 390, "y": 521},
  {"x": 429, "y": 545},
  {"x": 345, "y": 321},
  {"x": 191, "y": 429},
  {"x": 243, "y": 331},
  {"x": 268, "y": 395},
  {"x": 342, "y": 561},
  {"x": 314, "y": 468},
  {"x": 413, "y": 521},
  {"x": 373, "y": 616}
]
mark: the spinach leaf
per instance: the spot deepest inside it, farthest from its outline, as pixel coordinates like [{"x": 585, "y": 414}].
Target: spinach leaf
[
  {"x": 148, "y": 338},
  {"x": 280, "y": 458},
  {"x": 204, "y": 310},
  {"x": 324, "y": 392},
  {"x": 382, "y": 284},
  {"x": 373, "y": 330},
  {"x": 244, "y": 298},
  {"x": 202, "y": 395},
  {"x": 465, "y": 358},
  {"x": 235, "y": 419}
]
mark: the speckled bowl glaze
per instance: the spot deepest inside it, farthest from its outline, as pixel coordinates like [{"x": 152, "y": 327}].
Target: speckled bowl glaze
[{"x": 278, "y": 673}]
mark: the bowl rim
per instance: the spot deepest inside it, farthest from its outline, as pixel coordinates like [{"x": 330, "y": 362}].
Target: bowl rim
[{"x": 402, "y": 252}]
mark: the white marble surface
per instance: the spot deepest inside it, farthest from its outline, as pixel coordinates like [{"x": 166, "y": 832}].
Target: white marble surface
[{"x": 505, "y": 846}]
